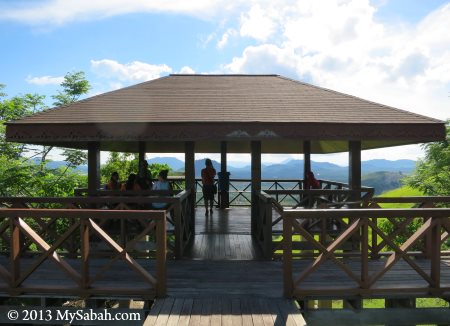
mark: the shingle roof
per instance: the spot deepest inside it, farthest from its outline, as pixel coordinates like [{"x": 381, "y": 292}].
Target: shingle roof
[
  {"x": 208, "y": 109},
  {"x": 225, "y": 98}
]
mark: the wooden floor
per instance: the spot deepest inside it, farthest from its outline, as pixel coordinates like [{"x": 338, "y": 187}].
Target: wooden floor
[{"x": 223, "y": 311}]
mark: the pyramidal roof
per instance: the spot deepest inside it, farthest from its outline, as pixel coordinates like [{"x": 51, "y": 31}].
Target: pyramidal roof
[
  {"x": 281, "y": 113},
  {"x": 224, "y": 98}
]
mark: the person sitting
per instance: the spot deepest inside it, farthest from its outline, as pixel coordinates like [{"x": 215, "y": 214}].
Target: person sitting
[
  {"x": 311, "y": 182},
  {"x": 113, "y": 183},
  {"x": 162, "y": 184},
  {"x": 131, "y": 184},
  {"x": 145, "y": 177}
]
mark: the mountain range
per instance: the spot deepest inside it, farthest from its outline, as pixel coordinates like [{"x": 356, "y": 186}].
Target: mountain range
[
  {"x": 380, "y": 174},
  {"x": 293, "y": 169}
]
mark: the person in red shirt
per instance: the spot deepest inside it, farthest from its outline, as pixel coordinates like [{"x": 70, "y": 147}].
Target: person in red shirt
[
  {"x": 311, "y": 182},
  {"x": 209, "y": 189}
]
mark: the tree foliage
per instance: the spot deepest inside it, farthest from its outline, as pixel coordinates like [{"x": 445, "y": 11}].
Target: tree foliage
[
  {"x": 22, "y": 173},
  {"x": 74, "y": 86},
  {"x": 126, "y": 163},
  {"x": 432, "y": 174}
]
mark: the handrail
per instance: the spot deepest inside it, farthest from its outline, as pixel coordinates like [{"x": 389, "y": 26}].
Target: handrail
[
  {"x": 436, "y": 226},
  {"x": 83, "y": 225}
]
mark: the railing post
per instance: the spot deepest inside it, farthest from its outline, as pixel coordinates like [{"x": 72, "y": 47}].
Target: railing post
[
  {"x": 178, "y": 230},
  {"x": 287, "y": 257},
  {"x": 268, "y": 228},
  {"x": 16, "y": 248},
  {"x": 436, "y": 252},
  {"x": 161, "y": 248},
  {"x": 364, "y": 253},
  {"x": 85, "y": 252}
]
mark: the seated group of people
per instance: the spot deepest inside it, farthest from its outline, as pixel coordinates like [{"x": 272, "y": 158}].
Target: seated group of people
[{"x": 136, "y": 183}]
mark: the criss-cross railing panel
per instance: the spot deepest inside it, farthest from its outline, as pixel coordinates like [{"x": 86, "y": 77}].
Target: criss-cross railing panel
[
  {"x": 29, "y": 271},
  {"x": 370, "y": 274}
]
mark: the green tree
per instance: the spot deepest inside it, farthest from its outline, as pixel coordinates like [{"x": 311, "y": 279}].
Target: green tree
[
  {"x": 74, "y": 86},
  {"x": 20, "y": 175},
  {"x": 126, "y": 163},
  {"x": 432, "y": 174}
]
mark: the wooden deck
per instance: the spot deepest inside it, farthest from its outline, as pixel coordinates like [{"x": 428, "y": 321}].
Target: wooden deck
[
  {"x": 224, "y": 311},
  {"x": 222, "y": 279}
]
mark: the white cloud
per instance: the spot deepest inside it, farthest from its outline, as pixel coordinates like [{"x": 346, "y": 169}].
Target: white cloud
[
  {"x": 187, "y": 70},
  {"x": 135, "y": 71},
  {"x": 257, "y": 23},
  {"x": 340, "y": 45},
  {"x": 45, "y": 80},
  {"x": 225, "y": 37},
  {"x": 57, "y": 12}
]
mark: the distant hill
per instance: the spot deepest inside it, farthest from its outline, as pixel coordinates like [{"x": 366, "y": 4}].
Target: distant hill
[
  {"x": 174, "y": 163},
  {"x": 383, "y": 181}
]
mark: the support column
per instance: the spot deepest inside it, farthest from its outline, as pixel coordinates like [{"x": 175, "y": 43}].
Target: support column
[
  {"x": 306, "y": 158},
  {"x": 354, "y": 160},
  {"x": 189, "y": 172},
  {"x": 224, "y": 197},
  {"x": 93, "y": 167},
  {"x": 142, "y": 151},
  {"x": 256, "y": 181}
]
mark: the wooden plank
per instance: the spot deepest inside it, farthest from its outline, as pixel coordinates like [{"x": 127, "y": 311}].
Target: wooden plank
[
  {"x": 205, "y": 319},
  {"x": 154, "y": 312},
  {"x": 175, "y": 312},
  {"x": 216, "y": 311},
  {"x": 196, "y": 313},
  {"x": 164, "y": 313},
  {"x": 247, "y": 313},
  {"x": 236, "y": 312},
  {"x": 185, "y": 314},
  {"x": 227, "y": 319}
]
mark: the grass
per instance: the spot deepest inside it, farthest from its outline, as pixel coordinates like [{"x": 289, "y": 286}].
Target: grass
[{"x": 404, "y": 191}]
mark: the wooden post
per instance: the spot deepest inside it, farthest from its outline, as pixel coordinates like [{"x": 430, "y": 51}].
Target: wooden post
[
  {"x": 85, "y": 252},
  {"x": 142, "y": 151},
  {"x": 268, "y": 229},
  {"x": 16, "y": 248},
  {"x": 306, "y": 158},
  {"x": 189, "y": 172},
  {"x": 354, "y": 173},
  {"x": 435, "y": 255},
  {"x": 287, "y": 257},
  {"x": 93, "y": 167},
  {"x": 256, "y": 182},
  {"x": 224, "y": 200},
  {"x": 178, "y": 230},
  {"x": 161, "y": 250}
]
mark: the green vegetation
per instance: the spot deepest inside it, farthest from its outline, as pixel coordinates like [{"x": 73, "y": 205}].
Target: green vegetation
[
  {"x": 23, "y": 168},
  {"x": 404, "y": 191},
  {"x": 432, "y": 174}
]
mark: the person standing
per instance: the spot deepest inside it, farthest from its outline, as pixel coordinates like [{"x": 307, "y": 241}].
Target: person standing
[{"x": 208, "y": 174}]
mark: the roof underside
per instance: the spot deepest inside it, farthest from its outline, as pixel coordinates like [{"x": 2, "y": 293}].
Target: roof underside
[{"x": 207, "y": 109}]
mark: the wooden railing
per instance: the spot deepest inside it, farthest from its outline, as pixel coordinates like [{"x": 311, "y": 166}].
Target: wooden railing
[
  {"x": 179, "y": 208},
  {"x": 360, "y": 271},
  {"x": 270, "y": 213},
  {"x": 34, "y": 255}
]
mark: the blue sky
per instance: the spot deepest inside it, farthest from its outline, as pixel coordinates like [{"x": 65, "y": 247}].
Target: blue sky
[{"x": 395, "y": 52}]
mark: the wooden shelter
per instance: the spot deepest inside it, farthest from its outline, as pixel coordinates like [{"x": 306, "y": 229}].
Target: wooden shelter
[
  {"x": 225, "y": 113},
  {"x": 240, "y": 114}
]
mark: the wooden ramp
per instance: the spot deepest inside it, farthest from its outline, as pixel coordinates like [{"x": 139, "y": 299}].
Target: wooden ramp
[{"x": 224, "y": 311}]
